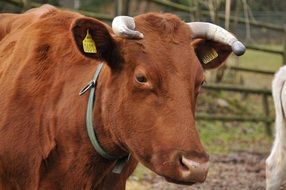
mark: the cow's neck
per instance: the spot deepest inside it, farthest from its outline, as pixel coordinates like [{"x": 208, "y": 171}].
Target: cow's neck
[{"x": 108, "y": 140}]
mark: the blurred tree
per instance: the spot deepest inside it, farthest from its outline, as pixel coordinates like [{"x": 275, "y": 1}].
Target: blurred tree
[
  {"x": 261, "y": 5},
  {"x": 52, "y": 2},
  {"x": 26, "y": 4},
  {"x": 67, "y": 3},
  {"x": 94, "y": 5},
  {"x": 266, "y": 5}
]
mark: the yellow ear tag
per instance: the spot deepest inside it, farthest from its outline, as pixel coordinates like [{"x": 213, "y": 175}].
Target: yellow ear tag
[
  {"x": 88, "y": 44},
  {"x": 209, "y": 56}
]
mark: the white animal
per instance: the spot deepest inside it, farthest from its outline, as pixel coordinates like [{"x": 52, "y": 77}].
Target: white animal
[{"x": 276, "y": 162}]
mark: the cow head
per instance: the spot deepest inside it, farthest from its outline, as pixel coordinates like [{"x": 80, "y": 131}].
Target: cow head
[{"x": 147, "y": 92}]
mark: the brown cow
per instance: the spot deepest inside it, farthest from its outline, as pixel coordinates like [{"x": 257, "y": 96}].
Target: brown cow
[{"x": 145, "y": 97}]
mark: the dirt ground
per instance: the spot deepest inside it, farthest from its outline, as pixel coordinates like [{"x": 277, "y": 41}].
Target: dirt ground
[{"x": 236, "y": 171}]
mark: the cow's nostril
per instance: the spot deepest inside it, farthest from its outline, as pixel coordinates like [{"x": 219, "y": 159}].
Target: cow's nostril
[
  {"x": 193, "y": 171},
  {"x": 182, "y": 165},
  {"x": 189, "y": 163}
]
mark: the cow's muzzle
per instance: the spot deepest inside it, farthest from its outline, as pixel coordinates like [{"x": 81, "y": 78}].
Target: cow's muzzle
[
  {"x": 186, "y": 169},
  {"x": 192, "y": 171}
]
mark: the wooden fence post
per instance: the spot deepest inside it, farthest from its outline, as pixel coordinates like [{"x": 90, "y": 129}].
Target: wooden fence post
[
  {"x": 197, "y": 12},
  {"x": 266, "y": 112},
  {"x": 126, "y": 7},
  {"x": 284, "y": 53},
  {"x": 26, "y": 4},
  {"x": 118, "y": 7}
]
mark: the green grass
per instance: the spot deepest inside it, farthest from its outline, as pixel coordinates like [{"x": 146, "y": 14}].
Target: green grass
[
  {"x": 263, "y": 61},
  {"x": 254, "y": 60},
  {"x": 223, "y": 138}
]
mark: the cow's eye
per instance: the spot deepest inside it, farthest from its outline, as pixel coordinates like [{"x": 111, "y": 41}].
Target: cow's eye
[{"x": 141, "y": 78}]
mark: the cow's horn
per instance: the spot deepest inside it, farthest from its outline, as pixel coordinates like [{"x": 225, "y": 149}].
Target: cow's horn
[
  {"x": 124, "y": 26},
  {"x": 216, "y": 33}
]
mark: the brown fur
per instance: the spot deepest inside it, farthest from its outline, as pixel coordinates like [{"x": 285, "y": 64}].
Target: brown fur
[{"x": 43, "y": 139}]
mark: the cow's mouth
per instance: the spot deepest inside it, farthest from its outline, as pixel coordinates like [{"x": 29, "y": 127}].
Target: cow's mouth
[{"x": 179, "y": 181}]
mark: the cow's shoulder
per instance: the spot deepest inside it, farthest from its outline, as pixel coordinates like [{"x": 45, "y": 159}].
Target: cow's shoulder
[
  {"x": 11, "y": 23},
  {"x": 42, "y": 10}
]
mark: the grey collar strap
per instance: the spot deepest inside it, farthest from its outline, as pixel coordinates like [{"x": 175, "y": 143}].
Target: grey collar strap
[{"x": 120, "y": 162}]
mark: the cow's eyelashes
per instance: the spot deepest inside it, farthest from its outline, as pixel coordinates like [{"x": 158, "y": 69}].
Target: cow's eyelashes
[{"x": 140, "y": 78}]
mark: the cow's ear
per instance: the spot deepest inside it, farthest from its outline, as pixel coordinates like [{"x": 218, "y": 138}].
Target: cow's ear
[
  {"x": 211, "y": 54},
  {"x": 94, "y": 40}
]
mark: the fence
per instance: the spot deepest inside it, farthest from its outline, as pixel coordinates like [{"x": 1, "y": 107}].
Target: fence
[
  {"x": 265, "y": 93},
  {"x": 122, "y": 7}
]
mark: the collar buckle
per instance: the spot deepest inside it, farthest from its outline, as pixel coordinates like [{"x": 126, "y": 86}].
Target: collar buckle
[
  {"x": 89, "y": 85},
  {"x": 120, "y": 162}
]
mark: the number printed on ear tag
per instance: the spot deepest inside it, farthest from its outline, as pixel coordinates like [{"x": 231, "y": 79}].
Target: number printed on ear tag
[
  {"x": 88, "y": 44},
  {"x": 210, "y": 55}
]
